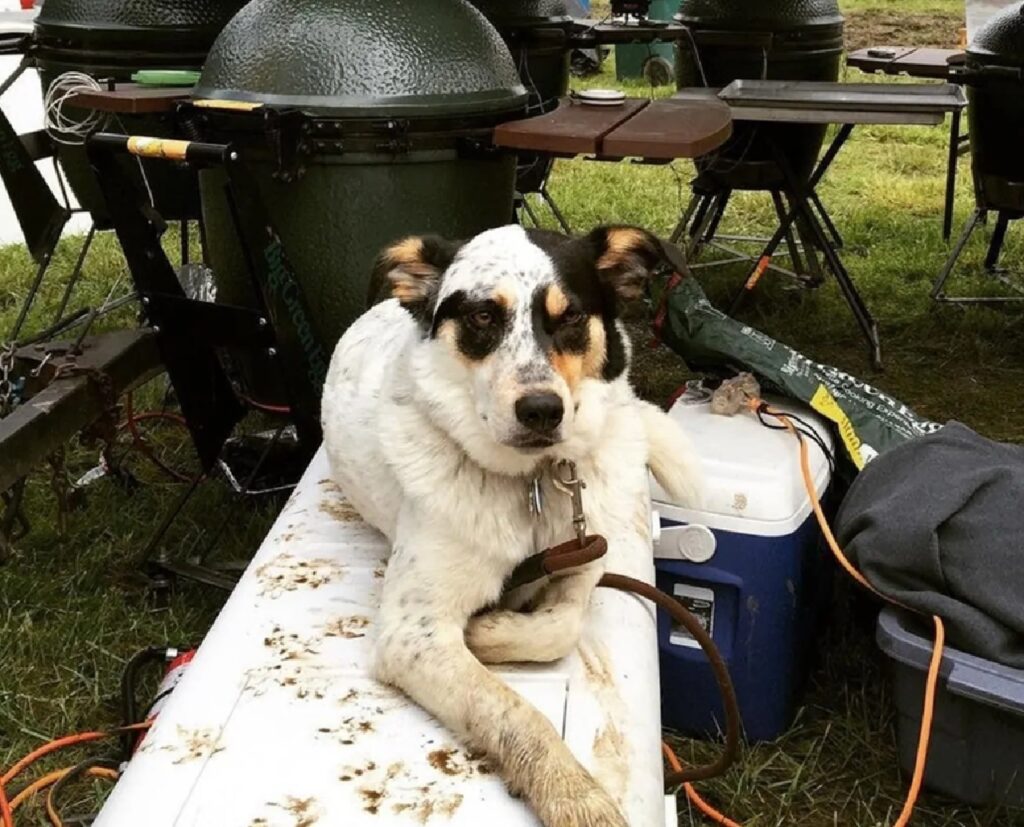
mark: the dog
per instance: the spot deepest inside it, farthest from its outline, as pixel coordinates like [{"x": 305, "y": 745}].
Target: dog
[{"x": 443, "y": 406}]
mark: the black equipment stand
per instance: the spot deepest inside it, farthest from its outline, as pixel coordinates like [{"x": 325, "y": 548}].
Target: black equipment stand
[{"x": 845, "y": 105}]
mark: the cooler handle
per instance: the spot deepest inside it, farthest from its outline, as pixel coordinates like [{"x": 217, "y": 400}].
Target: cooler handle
[{"x": 994, "y": 690}]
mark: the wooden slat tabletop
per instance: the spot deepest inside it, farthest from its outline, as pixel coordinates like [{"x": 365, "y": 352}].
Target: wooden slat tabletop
[
  {"x": 572, "y": 129},
  {"x": 672, "y": 128},
  {"x": 131, "y": 98}
]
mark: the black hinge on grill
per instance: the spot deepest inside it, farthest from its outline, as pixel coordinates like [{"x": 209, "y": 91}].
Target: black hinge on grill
[
  {"x": 287, "y": 135},
  {"x": 397, "y": 132}
]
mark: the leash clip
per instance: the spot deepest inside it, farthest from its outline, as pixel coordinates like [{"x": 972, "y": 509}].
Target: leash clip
[{"x": 572, "y": 485}]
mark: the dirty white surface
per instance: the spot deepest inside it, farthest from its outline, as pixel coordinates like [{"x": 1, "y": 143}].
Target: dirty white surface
[
  {"x": 23, "y": 105},
  {"x": 278, "y": 724}
]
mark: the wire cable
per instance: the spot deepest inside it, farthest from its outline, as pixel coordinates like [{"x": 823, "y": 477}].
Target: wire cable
[
  {"x": 70, "y": 775},
  {"x": 52, "y": 778},
  {"x": 70, "y": 130}
]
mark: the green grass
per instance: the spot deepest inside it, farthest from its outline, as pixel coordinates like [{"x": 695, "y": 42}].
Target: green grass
[{"x": 73, "y": 608}]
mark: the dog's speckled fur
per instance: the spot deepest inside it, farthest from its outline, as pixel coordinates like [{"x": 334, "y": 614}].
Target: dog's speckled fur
[{"x": 422, "y": 435}]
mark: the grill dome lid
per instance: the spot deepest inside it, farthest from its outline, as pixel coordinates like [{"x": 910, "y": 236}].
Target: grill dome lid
[
  {"x": 1001, "y": 41},
  {"x": 763, "y": 15},
  {"x": 171, "y": 25},
  {"x": 520, "y": 14},
  {"x": 359, "y": 58}
]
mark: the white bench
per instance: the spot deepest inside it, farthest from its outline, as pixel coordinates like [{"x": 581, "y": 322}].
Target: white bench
[{"x": 277, "y": 722}]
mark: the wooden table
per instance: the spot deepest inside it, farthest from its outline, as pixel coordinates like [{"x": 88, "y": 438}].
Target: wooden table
[
  {"x": 131, "y": 99},
  {"x": 906, "y": 60},
  {"x": 660, "y": 130}
]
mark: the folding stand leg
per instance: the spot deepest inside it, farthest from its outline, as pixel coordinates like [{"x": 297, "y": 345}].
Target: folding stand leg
[
  {"x": 184, "y": 242},
  {"x": 26, "y": 305},
  {"x": 938, "y": 293},
  {"x": 75, "y": 274},
  {"x": 720, "y": 207},
  {"x": 801, "y": 195},
  {"x": 995, "y": 246},
  {"x": 765, "y": 259},
  {"x": 791, "y": 245},
  {"x": 525, "y": 204},
  {"x": 813, "y": 275},
  {"x": 559, "y": 217},
  {"x": 954, "y": 154},
  {"x": 684, "y": 219},
  {"x": 826, "y": 219},
  {"x": 701, "y": 230}
]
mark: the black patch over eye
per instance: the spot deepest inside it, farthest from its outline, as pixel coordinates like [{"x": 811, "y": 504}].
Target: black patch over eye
[
  {"x": 480, "y": 325},
  {"x": 571, "y": 317}
]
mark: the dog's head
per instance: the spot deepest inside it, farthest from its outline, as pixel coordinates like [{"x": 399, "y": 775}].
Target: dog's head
[{"x": 522, "y": 323}]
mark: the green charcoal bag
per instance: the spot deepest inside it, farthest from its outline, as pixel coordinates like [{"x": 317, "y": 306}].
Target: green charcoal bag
[{"x": 868, "y": 421}]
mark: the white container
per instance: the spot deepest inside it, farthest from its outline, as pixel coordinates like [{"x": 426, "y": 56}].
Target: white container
[
  {"x": 748, "y": 564},
  {"x": 277, "y": 722}
]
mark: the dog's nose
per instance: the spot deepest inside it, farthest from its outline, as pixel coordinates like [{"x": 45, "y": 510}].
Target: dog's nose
[{"x": 540, "y": 412}]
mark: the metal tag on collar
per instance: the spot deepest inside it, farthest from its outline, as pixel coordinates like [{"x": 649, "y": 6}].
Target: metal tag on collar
[
  {"x": 567, "y": 481},
  {"x": 535, "y": 496}
]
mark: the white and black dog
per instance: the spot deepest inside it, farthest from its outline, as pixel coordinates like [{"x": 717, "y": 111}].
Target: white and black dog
[{"x": 495, "y": 359}]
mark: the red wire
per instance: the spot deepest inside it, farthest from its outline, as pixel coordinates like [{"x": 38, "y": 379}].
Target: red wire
[
  {"x": 266, "y": 407},
  {"x": 132, "y": 421}
]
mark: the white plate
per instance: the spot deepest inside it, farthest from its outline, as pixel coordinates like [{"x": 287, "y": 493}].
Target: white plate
[{"x": 602, "y": 97}]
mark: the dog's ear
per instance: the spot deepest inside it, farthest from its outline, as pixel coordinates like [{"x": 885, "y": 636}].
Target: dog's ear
[
  {"x": 412, "y": 269},
  {"x": 625, "y": 258}
]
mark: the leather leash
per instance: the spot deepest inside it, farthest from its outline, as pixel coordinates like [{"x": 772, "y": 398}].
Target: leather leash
[{"x": 587, "y": 548}]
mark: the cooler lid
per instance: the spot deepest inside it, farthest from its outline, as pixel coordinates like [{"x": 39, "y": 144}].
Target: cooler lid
[
  {"x": 750, "y": 473},
  {"x": 364, "y": 58}
]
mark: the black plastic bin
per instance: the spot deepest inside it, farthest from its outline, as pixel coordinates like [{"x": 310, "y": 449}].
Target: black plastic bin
[{"x": 977, "y": 744}]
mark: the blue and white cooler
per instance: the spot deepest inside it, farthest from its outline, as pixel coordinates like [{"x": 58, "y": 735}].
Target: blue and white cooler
[{"x": 750, "y": 564}]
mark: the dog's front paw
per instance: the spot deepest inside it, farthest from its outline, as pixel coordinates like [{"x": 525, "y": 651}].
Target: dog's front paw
[
  {"x": 576, "y": 800},
  {"x": 594, "y": 809}
]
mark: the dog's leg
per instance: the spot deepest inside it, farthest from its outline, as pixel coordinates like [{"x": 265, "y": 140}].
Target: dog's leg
[
  {"x": 548, "y": 632},
  {"x": 422, "y": 651},
  {"x": 670, "y": 455}
]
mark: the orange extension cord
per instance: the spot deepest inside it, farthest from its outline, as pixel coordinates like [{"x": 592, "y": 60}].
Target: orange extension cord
[
  {"x": 7, "y": 807},
  {"x": 921, "y": 760}
]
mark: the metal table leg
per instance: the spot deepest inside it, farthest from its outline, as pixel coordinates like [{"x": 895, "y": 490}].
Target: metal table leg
[
  {"x": 791, "y": 245},
  {"x": 954, "y": 153},
  {"x": 802, "y": 203},
  {"x": 826, "y": 219},
  {"x": 765, "y": 259},
  {"x": 995, "y": 246},
  {"x": 938, "y": 292},
  {"x": 684, "y": 219}
]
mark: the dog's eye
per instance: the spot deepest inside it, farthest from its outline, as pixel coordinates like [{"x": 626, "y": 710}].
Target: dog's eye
[
  {"x": 482, "y": 318},
  {"x": 572, "y": 317}
]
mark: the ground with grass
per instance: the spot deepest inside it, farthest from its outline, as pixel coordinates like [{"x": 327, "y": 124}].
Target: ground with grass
[{"x": 73, "y": 607}]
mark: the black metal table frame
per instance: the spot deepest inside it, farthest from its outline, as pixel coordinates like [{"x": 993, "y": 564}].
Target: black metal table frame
[{"x": 805, "y": 206}]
